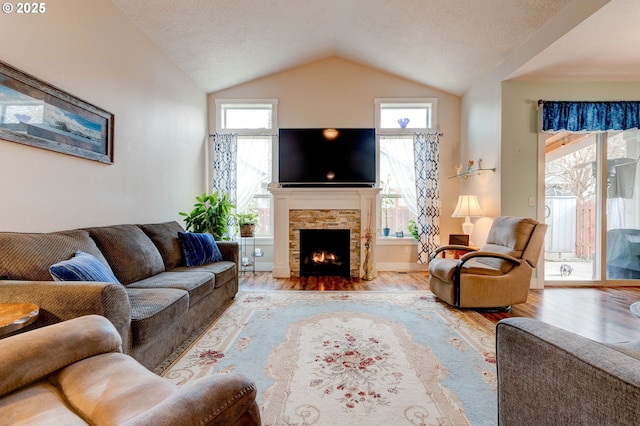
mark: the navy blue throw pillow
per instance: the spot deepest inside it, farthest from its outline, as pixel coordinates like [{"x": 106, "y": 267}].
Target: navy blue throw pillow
[
  {"x": 82, "y": 267},
  {"x": 199, "y": 249}
]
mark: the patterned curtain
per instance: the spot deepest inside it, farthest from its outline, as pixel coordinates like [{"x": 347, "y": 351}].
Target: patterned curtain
[
  {"x": 225, "y": 164},
  {"x": 589, "y": 116},
  {"x": 427, "y": 157}
]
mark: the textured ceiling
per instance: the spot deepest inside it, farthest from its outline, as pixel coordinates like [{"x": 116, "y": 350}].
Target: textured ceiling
[
  {"x": 604, "y": 47},
  {"x": 447, "y": 44}
]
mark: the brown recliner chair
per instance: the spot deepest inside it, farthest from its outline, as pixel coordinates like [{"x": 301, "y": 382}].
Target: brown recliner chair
[
  {"x": 74, "y": 373},
  {"x": 496, "y": 276}
]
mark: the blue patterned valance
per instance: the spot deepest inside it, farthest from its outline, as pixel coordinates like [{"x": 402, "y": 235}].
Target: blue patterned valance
[{"x": 589, "y": 116}]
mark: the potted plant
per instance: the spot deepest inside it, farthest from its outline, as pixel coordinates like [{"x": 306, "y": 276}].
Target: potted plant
[
  {"x": 413, "y": 229},
  {"x": 210, "y": 214},
  {"x": 247, "y": 223}
]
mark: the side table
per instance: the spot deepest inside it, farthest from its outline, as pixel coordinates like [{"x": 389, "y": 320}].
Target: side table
[
  {"x": 248, "y": 254},
  {"x": 14, "y": 316}
]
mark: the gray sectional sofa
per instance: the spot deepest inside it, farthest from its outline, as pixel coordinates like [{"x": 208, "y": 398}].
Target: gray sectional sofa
[
  {"x": 159, "y": 302},
  {"x": 550, "y": 376}
]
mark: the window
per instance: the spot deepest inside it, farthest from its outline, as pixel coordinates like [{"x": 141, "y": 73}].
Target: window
[
  {"x": 247, "y": 117},
  {"x": 397, "y": 180},
  {"x": 255, "y": 122},
  {"x": 397, "y": 121},
  {"x": 254, "y": 174},
  {"x": 405, "y": 116}
]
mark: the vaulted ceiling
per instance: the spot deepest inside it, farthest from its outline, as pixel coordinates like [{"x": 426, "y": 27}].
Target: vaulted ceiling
[{"x": 446, "y": 44}]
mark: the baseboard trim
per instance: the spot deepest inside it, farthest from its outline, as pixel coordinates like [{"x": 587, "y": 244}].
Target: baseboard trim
[{"x": 402, "y": 267}]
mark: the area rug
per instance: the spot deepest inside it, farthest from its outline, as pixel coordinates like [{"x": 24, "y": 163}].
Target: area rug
[{"x": 353, "y": 358}]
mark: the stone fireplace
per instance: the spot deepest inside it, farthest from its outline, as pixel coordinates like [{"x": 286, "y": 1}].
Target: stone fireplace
[
  {"x": 320, "y": 208},
  {"x": 325, "y": 252},
  {"x": 323, "y": 219}
]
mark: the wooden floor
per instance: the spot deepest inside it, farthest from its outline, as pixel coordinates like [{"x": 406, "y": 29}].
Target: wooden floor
[{"x": 598, "y": 313}]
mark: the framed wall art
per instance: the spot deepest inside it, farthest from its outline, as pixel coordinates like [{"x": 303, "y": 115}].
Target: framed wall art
[{"x": 35, "y": 113}]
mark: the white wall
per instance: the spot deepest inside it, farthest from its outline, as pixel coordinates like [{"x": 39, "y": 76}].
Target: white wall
[
  {"x": 485, "y": 130},
  {"x": 339, "y": 93},
  {"x": 94, "y": 52},
  {"x": 481, "y": 138}
]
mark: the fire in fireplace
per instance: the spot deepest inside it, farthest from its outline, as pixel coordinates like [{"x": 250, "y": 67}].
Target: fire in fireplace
[
  {"x": 324, "y": 252},
  {"x": 324, "y": 257}
]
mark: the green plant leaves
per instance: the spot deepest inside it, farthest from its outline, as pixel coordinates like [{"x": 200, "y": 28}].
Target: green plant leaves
[{"x": 210, "y": 214}]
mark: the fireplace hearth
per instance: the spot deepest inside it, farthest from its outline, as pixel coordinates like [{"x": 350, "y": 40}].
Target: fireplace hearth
[{"x": 325, "y": 252}]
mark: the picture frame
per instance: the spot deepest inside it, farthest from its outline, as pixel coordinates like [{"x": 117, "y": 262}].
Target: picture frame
[
  {"x": 459, "y": 239},
  {"x": 38, "y": 114}
]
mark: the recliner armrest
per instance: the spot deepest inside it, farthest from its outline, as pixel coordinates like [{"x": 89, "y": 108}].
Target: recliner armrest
[
  {"x": 28, "y": 357},
  {"x": 115, "y": 389},
  {"x": 217, "y": 399},
  {"x": 468, "y": 256}
]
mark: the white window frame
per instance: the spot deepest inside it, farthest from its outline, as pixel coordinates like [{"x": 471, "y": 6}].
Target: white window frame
[
  {"x": 430, "y": 103},
  {"x": 432, "y": 106},
  {"x": 248, "y": 103}
]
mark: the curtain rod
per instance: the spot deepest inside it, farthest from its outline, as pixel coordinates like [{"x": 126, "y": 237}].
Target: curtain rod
[
  {"x": 430, "y": 133},
  {"x": 437, "y": 133}
]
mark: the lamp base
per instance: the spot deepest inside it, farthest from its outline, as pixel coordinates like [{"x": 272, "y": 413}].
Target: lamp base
[{"x": 467, "y": 226}]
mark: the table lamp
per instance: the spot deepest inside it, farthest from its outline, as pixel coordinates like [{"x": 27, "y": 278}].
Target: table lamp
[{"x": 467, "y": 207}]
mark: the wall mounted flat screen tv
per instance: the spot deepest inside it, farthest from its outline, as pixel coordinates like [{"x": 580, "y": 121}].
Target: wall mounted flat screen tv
[{"x": 322, "y": 157}]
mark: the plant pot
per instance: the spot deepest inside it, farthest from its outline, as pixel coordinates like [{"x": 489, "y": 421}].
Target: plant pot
[
  {"x": 385, "y": 231},
  {"x": 247, "y": 230}
]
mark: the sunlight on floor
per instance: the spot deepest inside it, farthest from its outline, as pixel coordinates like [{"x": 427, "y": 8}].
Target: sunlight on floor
[{"x": 568, "y": 270}]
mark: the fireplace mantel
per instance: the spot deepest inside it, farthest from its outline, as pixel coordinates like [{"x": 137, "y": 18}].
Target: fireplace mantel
[{"x": 324, "y": 198}]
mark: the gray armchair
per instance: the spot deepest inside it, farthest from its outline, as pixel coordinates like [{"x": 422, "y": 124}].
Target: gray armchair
[
  {"x": 74, "y": 373},
  {"x": 496, "y": 276}
]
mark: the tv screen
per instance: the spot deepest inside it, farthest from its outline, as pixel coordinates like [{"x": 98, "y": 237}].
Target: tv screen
[{"x": 319, "y": 157}]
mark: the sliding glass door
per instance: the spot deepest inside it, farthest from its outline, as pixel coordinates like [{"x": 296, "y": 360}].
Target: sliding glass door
[
  {"x": 622, "y": 206},
  {"x": 592, "y": 208}
]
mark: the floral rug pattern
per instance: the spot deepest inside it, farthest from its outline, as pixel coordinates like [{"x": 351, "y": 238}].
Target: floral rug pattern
[
  {"x": 329, "y": 358},
  {"x": 357, "y": 367}
]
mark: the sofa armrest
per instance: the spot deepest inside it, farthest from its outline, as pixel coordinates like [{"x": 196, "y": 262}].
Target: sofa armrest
[
  {"x": 64, "y": 300},
  {"x": 230, "y": 250},
  {"x": 28, "y": 357},
  {"x": 550, "y": 376}
]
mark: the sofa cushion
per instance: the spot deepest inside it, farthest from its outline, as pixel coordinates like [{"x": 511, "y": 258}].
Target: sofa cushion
[
  {"x": 224, "y": 271},
  {"x": 82, "y": 267},
  {"x": 198, "y": 249},
  {"x": 130, "y": 253},
  {"x": 165, "y": 237},
  {"x": 27, "y": 256},
  {"x": 198, "y": 284},
  {"x": 154, "y": 309}
]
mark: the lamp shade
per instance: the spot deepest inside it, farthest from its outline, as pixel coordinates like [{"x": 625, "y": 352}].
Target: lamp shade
[{"x": 467, "y": 207}]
